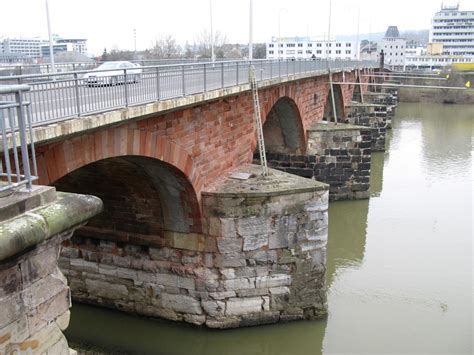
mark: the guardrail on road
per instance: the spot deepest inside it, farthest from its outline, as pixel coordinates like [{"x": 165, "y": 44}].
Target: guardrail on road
[{"x": 56, "y": 97}]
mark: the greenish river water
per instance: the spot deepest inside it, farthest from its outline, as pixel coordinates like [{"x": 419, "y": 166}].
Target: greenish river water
[{"x": 400, "y": 272}]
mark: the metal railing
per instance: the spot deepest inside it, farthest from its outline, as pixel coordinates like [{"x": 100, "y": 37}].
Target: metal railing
[
  {"x": 57, "y": 97},
  {"x": 15, "y": 168}
]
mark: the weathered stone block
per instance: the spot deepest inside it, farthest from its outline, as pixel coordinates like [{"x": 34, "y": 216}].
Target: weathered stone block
[
  {"x": 181, "y": 303},
  {"x": 236, "y": 306},
  {"x": 272, "y": 281},
  {"x": 254, "y": 242}
]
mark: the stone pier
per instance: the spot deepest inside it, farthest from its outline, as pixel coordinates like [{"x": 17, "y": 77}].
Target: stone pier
[
  {"x": 370, "y": 115},
  {"x": 338, "y": 155},
  {"x": 34, "y": 295},
  {"x": 260, "y": 259}
]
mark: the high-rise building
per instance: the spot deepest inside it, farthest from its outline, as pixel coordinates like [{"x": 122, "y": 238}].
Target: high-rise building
[
  {"x": 454, "y": 29},
  {"x": 306, "y": 47},
  {"x": 394, "y": 48}
]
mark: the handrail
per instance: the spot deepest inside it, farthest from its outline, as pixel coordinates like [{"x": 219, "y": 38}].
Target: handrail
[
  {"x": 61, "y": 96},
  {"x": 16, "y": 113}
]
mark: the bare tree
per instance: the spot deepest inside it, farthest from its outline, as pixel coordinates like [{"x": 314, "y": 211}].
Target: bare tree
[
  {"x": 165, "y": 47},
  {"x": 204, "y": 44}
]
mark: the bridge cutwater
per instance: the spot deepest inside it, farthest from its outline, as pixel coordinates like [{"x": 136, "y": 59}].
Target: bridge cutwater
[{"x": 189, "y": 229}]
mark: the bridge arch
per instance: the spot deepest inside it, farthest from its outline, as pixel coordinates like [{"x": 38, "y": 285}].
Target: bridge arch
[
  {"x": 142, "y": 196},
  {"x": 283, "y": 128},
  {"x": 339, "y": 100},
  {"x": 151, "y": 177}
]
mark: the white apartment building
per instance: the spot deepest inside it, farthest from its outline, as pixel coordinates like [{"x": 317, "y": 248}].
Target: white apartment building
[
  {"x": 36, "y": 48},
  {"x": 29, "y": 47},
  {"x": 394, "y": 48},
  {"x": 307, "y": 47},
  {"x": 454, "y": 29}
]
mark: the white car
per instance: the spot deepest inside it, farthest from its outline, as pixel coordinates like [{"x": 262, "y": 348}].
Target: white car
[{"x": 113, "y": 73}]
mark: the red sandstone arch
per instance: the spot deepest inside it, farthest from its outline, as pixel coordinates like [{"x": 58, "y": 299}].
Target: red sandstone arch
[
  {"x": 283, "y": 128},
  {"x": 55, "y": 160}
]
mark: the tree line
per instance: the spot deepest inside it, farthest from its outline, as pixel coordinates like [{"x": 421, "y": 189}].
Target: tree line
[{"x": 166, "y": 47}]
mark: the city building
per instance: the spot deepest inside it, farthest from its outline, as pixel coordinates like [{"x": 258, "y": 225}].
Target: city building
[
  {"x": 78, "y": 45},
  {"x": 29, "y": 47},
  {"x": 431, "y": 62},
  {"x": 12, "y": 49},
  {"x": 394, "y": 48},
  {"x": 454, "y": 29},
  {"x": 307, "y": 47},
  {"x": 451, "y": 40}
]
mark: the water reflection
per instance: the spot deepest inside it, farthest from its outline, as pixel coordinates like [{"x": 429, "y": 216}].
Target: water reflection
[
  {"x": 347, "y": 232},
  {"x": 114, "y": 332}
]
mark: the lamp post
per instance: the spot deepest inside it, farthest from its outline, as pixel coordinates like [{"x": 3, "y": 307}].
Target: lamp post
[
  {"x": 329, "y": 67},
  {"x": 279, "y": 29},
  {"x": 251, "y": 31},
  {"x": 51, "y": 52},
  {"x": 212, "y": 33}
]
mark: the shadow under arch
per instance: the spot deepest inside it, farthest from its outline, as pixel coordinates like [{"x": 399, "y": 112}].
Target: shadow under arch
[
  {"x": 283, "y": 128},
  {"x": 142, "y": 196},
  {"x": 339, "y": 100},
  {"x": 357, "y": 93}
]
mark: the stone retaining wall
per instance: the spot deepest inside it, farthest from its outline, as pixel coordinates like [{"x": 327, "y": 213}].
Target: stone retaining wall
[{"x": 261, "y": 260}]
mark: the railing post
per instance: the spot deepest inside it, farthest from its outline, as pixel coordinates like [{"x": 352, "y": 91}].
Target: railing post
[
  {"x": 23, "y": 145},
  {"x": 157, "y": 84},
  {"x": 76, "y": 90},
  {"x": 236, "y": 73},
  {"x": 205, "y": 76},
  {"x": 279, "y": 68},
  {"x": 126, "y": 87},
  {"x": 222, "y": 75},
  {"x": 183, "y": 80}
]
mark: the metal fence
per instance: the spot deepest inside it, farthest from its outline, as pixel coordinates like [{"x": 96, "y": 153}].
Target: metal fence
[
  {"x": 18, "y": 166},
  {"x": 64, "y": 95}
]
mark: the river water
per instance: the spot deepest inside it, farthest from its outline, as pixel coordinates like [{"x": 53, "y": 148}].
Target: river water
[{"x": 400, "y": 276}]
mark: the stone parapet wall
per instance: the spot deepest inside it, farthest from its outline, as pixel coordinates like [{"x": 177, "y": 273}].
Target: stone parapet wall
[{"x": 261, "y": 260}]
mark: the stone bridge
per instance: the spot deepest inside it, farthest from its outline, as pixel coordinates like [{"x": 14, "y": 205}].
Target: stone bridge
[{"x": 183, "y": 235}]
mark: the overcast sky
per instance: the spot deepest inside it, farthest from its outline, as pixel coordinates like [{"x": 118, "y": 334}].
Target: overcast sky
[{"x": 110, "y": 23}]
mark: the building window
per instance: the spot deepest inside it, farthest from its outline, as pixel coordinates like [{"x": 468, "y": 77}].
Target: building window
[
  {"x": 290, "y": 45},
  {"x": 318, "y": 52},
  {"x": 348, "y": 44},
  {"x": 318, "y": 44},
  {"x": 338, "y": 44},
  {"x": 271, "y": 45},
  {"x": 270, "y": 52},
  {"x": 348, "y": 52},
  {"x": 300, "y": 44},
  {"x": 309, "y": 52},
  {"x": 310, "y": 44}
]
